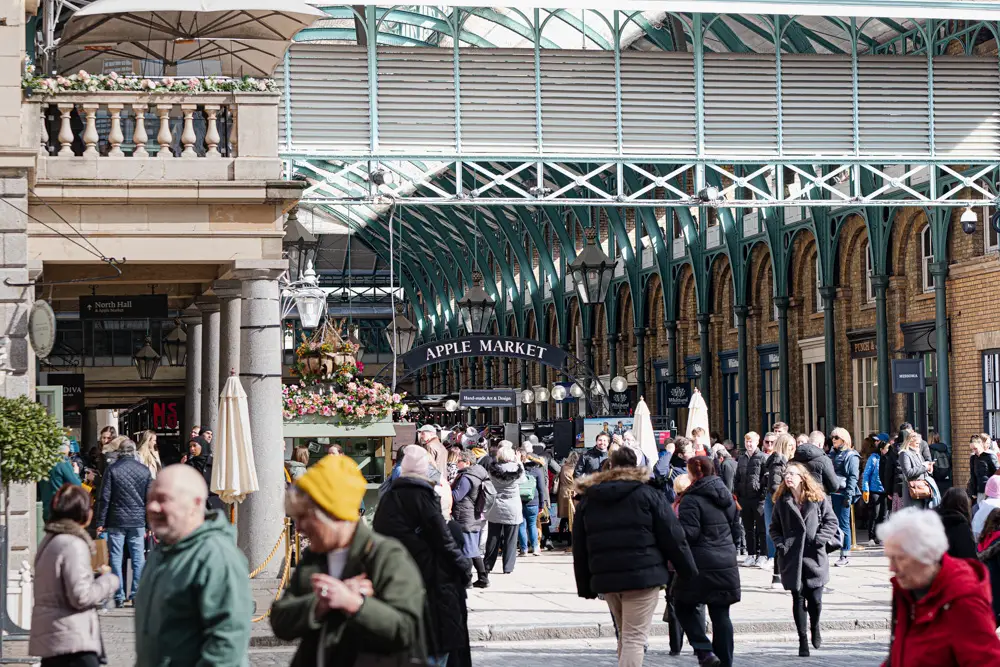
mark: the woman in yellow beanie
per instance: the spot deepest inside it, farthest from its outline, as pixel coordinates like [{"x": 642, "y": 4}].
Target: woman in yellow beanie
[{"x": 356, "y": 594}]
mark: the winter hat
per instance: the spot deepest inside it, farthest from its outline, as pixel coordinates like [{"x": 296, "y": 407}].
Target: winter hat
[
  {"x": 415, "y": 461},
  {"x": 428, "y": 428},
  {"x": 336, "y": 485},
  {"x": 993, "y": 487}
]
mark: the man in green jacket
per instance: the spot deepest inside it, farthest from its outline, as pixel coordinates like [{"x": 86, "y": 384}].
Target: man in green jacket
[
  {"x": 61, "y": 473},
  {"x": 357, "y": 597},
  {"x": 194, "y": 602}
]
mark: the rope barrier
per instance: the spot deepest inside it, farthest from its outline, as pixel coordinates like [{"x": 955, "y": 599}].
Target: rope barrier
[
  {"x": 281, "y": 586},
  {"x": 263, "y": 565}
]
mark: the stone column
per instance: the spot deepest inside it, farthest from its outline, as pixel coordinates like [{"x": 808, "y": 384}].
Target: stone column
[
  {"x": 209, "y": 307},
  {"x": 743, "y": 381},
  {"x": 260, "y": 517},
  {"x": 829, "y": 293},
  {"x": 192, "y": 320},
  {"x": 881, "y": 285},
  {"x": 940, "y": 272},
  {"x": 783, "y": 396},
  {"x": 15, "y": 305},
  {"x": 229, "y": 292}
]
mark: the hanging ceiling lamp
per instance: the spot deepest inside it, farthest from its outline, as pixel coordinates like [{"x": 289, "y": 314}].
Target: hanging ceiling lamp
[
  {"x": 401, "y": 333},
  {"x": 476, "y": 307},
  {"x": 592, "y": 271},
  {"x": 146, "y": 360},
  {"x": 175, "y": 345}
]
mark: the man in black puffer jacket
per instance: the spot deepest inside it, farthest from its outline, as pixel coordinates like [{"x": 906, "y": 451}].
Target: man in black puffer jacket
[
  {"x": 122, "y": 511},
  {"x": 711, "y": 524},
  {"x": 624, "y": 535},
  {"x": 750, "y": 495},
  {"x": 819, "y": 464}
]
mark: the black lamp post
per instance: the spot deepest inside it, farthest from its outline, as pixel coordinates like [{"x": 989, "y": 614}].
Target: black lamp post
[
  {"x": 592, "y": 271},
  {"x": 476, "y": 307},
  {"x": 401, "y": 333}
]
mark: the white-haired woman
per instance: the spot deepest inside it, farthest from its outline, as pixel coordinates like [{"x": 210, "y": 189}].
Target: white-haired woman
[
  {"x": 506, "y": 514},
  {"x": 941, "y": 605},
  {"x": 913, "y": 468}
]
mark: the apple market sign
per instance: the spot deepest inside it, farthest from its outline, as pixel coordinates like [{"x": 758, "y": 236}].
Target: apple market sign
[{"x": 484, "y": 346}]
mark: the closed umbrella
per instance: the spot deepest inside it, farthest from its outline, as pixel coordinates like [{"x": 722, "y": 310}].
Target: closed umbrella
[
  {"x": 234, "y": 474},
  {"x": 697, "y": 413},
  {"x": 642, "y": 429},
  {"x": 147, "y": 21}
]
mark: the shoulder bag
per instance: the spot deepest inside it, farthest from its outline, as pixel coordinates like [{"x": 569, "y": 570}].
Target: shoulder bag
[{"x": 918, "y": 489}]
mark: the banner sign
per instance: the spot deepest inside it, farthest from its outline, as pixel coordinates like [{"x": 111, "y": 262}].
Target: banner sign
[
  {"x": 487, "y": 398},
  {"x": 908, "y": 376},
  {"x": 483, "y": 346},
  {"x": 621, "y": 401},
  {"x": 862, "y": 349},
  {"x": 73, "y": 396},
  {"x": 678, "y": 394},
  {"x": 138, "y": 307}
]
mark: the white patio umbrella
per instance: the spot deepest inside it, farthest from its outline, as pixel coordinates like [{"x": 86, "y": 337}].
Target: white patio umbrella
[
  {"x": 146, "y": 21},
  {"x": 697, "y": 413},
  {"x": 237, "y": 57},
  {"x": 642, "y": 429},
  {"x": 234, "y": 474}
]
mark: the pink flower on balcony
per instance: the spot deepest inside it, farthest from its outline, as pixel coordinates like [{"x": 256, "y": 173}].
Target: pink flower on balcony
[
  {"x": 148, "y": 85},
  {"x": 193, "y": 82},
  {"x": 262, "y": 86},
  {"x": 62, "y": 81},
  {"x": 168, "y": 82},
  {"x": 84, "y": 76},
  {"x": 113, "y": 76}
]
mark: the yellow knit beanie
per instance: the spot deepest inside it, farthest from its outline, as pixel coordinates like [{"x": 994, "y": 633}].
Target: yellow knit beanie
[{"x": 336, "y": 485}]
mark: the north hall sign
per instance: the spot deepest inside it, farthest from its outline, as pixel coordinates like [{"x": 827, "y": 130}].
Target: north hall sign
[{"x": 484, "y": 346}]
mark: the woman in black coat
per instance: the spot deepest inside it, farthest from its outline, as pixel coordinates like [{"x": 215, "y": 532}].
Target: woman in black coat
[
  {"x": 956, "y": 515},
  {"x": 707, "y": 513},
  {"x": 411, "y": 512},
  {"x": 624, "y": 534},
  {"x": 802, "y": 525}
]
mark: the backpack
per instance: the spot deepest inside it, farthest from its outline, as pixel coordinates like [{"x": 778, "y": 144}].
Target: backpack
[
  {"x": 526, "y": 487},
  {"x": 942, "y": 465},
  {"x": 486, "y": 499}
]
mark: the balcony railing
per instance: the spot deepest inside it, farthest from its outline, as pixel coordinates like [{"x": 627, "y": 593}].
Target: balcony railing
[{"x": 131, "y": 129}]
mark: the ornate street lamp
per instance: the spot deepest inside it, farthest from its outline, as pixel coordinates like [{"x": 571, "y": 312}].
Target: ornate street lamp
[
  {"x": 401, "y": 333},
  {"x": 592, "y": 271},
  {"x": 476, "y": 307},
  {"x": 310, "y": 300},
  {"x": 175, "y": 345},
  {"x": 146, "y": 360}
]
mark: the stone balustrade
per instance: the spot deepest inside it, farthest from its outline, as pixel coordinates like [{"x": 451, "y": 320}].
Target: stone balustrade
[{"x": 76, "y": 129}]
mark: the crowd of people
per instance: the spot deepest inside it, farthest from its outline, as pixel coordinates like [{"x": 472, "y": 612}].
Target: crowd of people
[{"x": 678, "y": 521}]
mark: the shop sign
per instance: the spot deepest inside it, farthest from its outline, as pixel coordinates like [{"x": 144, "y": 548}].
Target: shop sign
[
  {"x": 908, "y": 376},
  {"x": 487, "y": 398},
  {"x": 42, "y": 328},
  {"x": 678, "y": 394},
  {"x": 862, "y": 349},
  {"x": 138, "y": 307},
  {"x": 620, "y": 402},
  {"x": 73, "y": 396},
  {"x": 484, "y": 346},
  {"x": 165, "y": 416},
  {"x": 729, "y": 363}
]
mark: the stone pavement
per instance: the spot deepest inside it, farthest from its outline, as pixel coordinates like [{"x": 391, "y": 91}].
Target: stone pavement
[{"x": 539, "y": 602}]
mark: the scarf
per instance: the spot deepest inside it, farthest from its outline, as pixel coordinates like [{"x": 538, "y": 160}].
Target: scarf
[{"x": 68, "y": 527}]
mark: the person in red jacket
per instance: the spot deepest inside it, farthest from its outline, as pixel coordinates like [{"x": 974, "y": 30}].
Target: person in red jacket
[{"x": 942, "y": 613}]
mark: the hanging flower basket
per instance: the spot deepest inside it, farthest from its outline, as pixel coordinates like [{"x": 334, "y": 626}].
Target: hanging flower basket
[{"x": 326, "y": 357}]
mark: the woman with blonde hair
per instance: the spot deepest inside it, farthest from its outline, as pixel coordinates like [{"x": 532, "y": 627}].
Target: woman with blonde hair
[
  {"x": 148, "y": 453},
  {"x": 847, "y": 467},
  {"x": 802, "y": 526},
  {"x": 914, "y": 471}
]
